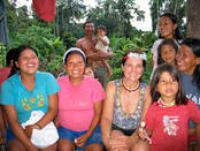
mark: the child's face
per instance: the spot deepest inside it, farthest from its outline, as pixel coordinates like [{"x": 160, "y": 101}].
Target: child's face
[
  {"x": 166, "y": 27},
  {"x": 168, "y": 54},
  {"x": 89, "y": 72},
  {"x": 167, "y": 86},
  {"x": 101, "y": 32}
]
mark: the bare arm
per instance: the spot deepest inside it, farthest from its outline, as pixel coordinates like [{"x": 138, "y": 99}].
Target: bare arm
[
  {"x": 147, "y": 102},
  {"x": 52, "y": 111},
  {"x": 108, "y": 108},
  {"x": 17, "y": 128},
  {"x": 97, "y": 115},
  {"x": 91, "y": 52}
]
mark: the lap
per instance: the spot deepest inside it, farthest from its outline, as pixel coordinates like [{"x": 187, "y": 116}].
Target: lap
[{"x": 70, "y": 136}]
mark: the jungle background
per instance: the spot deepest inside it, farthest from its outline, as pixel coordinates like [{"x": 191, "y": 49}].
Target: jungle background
[{"x": 52, "y": 39}]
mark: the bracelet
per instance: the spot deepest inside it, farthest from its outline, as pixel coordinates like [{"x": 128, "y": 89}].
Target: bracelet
[{"x": 38, "y": 125}]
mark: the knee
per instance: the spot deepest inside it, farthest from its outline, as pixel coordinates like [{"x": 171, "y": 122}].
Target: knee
[
  {"x": 94, "y": 147},
  {"x": 65, "y": 145}
]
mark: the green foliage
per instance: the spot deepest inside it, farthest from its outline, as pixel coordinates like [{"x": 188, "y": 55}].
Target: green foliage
[
  {"x": 2, "y": 55},
  {"x": 177, "y": 7},
  {"x": 138, "y": 41},
  {"x": 49, "y": 47},
  {"x": 116, "y": 15}
]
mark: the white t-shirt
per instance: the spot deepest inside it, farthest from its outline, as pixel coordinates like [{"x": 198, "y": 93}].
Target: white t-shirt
[{"x": 100, "y": 46}]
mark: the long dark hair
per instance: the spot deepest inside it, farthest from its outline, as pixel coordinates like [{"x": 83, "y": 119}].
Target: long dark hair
[
  {"x": 194, "y": 44},
  {"x": 18, "y": 52},
  {"x": 180, "y": 96},
  {"x": 173, "y": 18},
  {"x": 170, "y": 42}
]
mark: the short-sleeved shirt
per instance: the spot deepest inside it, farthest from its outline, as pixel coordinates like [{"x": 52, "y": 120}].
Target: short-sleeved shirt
[
  {"x": 190, "y": 88},
  {"x": 100, "y": 46},
  {"x": 169, "y": 125},
  {"x": 13, "y": 92},
  {"x": 76, "y": 103}
]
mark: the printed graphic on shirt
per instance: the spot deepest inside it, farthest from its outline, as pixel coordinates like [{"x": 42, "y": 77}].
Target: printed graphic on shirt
[
  {"x": 170, "y": 125},
  {"x": 29, "y": 103}
]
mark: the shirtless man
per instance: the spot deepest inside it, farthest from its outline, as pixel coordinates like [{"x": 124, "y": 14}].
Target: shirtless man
[{"x": 94, "y": 57}]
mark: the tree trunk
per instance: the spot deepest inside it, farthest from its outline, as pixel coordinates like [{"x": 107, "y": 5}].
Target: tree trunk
[{"x": 193, "y": 18}]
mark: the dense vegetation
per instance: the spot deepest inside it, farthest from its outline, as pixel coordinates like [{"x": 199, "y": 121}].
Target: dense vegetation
[{"x": 52, "y": 39}]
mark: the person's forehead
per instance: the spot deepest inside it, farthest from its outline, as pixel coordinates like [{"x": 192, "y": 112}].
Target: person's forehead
[{"x": 89, "y": 24}]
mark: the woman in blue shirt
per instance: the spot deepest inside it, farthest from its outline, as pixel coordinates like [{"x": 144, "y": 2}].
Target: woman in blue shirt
[{"x": 25, "y": 91}]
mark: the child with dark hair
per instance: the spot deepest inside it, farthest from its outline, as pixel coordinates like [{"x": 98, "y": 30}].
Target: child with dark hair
[
  {"x": 103, "y": 45},
  {"x": 168, "y": 29},
  {"x": 167, "y": 118},
  {"x": 167, "y": 51}
]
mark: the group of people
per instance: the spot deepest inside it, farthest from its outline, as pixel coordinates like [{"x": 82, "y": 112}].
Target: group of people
[{"x": 128, "y": 115}]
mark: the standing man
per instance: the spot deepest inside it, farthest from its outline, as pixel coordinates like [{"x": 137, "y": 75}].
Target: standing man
[{"x": 94, "y": 57}]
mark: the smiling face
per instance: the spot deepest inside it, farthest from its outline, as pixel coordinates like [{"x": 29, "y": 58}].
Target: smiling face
[
  {"x": 186, "y": 60},
  {"x": 75, "y": 66},
  {"x": 167, "y": 27},
  {"x": 167, "y": 86},
  {"x": 168, "y": 54},
  {"x": 133, "y": 69},
  {"x": 27, "y": 62},
  {"x": 89, "y": 28}
]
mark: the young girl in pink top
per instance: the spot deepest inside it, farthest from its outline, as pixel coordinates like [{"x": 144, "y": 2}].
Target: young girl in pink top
[
  {"x": 167, "y": 118},
  {"x": 80, "y": 103}
]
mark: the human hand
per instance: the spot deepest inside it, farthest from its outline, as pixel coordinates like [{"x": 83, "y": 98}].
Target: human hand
[
  {"x": 29, "y": 129},
  {"x": 119, "y": 143},
  {"x": 143, "y": 135},
  {"x": 80, "y": 141}
]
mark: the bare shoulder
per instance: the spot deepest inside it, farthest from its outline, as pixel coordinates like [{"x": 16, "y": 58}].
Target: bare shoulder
[
  {"x": 110, "y": 87},
  {"x": 80, "y": 41}
]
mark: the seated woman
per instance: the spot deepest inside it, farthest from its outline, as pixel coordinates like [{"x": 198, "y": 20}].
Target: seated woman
[
  {"x": 80, "y": 105},
  {"x": 25, "y": 92},
  {"x": 125, "y": 106}
]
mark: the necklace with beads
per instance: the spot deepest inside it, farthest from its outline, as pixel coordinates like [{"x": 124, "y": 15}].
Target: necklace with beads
[
  {"x": 164, "y": 104},
  {"x": 130, "y": 90}
]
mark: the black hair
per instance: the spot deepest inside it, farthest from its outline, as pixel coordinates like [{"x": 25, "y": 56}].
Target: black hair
[
  {"x": 180, "y": 98},
  {"x": 18, "y": 52},
  {"x": 101, "y": 27},
  {"x": 194, "y": 44},
  {"x": 173, "y": 18},
  {"x": 87, "y": 22},
  {"x": 170, "y": 42},
  {"x": 10, "y": 56}
]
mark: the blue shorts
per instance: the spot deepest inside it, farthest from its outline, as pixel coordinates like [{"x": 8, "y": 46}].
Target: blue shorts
[
  {"x": 10, "y": 135},
  {"x": 71, "y": 135}
]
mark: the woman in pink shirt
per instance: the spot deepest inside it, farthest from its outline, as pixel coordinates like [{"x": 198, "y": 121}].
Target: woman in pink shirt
[{"x": 80, "y": 104}]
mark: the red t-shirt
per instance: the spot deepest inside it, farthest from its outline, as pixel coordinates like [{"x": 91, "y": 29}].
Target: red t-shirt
[
  {"x": 4, "y": 73},
  {"x": 169, "y": 125}
]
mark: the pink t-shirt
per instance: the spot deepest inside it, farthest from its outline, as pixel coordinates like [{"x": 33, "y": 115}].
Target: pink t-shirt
[
  {"x": 169, "y": 126},
  {"x": 4, "y": 73},
  {"x": 76, "y": 103}
]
